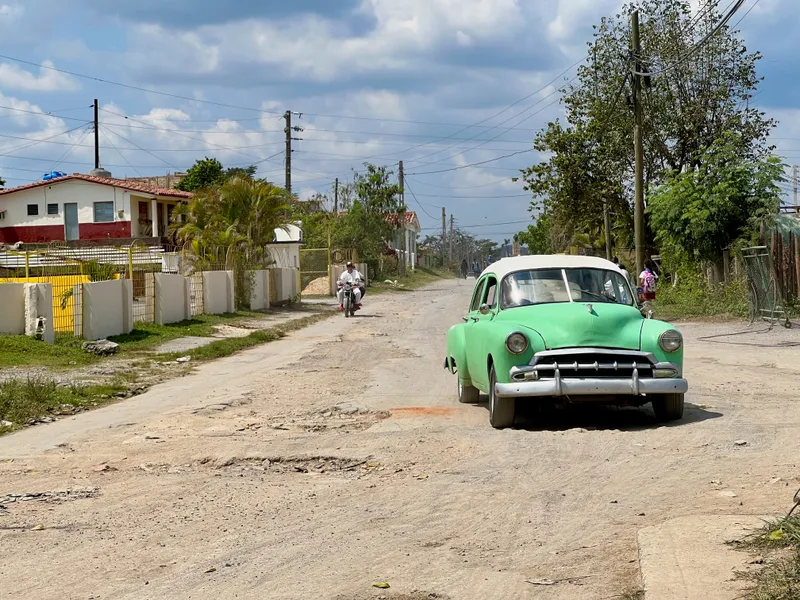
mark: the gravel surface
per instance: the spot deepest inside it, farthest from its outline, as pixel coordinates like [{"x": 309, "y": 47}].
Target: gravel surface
[{"x": 339, "y": 457}]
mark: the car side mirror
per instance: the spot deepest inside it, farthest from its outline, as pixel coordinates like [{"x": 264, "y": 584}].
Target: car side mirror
[
  {"x": 647, "y": 309},
  {"x": 484, "y": 309}
]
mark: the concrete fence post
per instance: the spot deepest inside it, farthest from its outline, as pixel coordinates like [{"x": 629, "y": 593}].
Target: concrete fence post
[{"x": 39, "y": 311}]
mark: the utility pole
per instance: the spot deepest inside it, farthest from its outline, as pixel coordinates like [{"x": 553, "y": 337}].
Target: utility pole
[
  {"x": 794, "y": 185},
  {"x": 96, "y": 136},
  {"x": 638, "y": 196},
  {"x": 444, "y": 234},
  {"x": 336, "y": 198},
  {"x": 452, "y": 235},
  {"x": 288, "y": 130},
  {"x": 607, "y": 224},
  {"x": 402, "y": 218}
]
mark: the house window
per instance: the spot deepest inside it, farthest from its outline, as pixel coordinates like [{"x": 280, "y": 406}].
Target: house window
[
  {"x": 103, "y": 212},
  {"x": 52, "y": 209},
  {"x": 33, "y": 210}
]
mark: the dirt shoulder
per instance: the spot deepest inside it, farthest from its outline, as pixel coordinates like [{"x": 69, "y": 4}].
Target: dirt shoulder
[{"x": 338, "y": 457}]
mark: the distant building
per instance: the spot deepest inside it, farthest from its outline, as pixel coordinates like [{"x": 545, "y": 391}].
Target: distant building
[
  {"x": 86, "y": 207},
  {"x": 169, "y": 181}
]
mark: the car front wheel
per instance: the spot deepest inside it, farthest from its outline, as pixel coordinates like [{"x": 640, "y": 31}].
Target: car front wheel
[
  {"x": 467, "y": 394},
  {"x": 501, "y": 410},
  {"x": 668, "y": 407}
]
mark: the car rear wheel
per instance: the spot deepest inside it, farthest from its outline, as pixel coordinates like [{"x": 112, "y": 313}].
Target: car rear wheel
[
  {"x": 668, "y": 407},
  {"x": 467, "y": 394},
  {"x": 501, "y": 410}
]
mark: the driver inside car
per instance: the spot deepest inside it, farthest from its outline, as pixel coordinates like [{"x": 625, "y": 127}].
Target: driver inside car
[{"x": 352, "y": 275}]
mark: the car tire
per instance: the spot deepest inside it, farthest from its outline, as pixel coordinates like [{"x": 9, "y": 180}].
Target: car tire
[
  {"x": 668, "y": 407},
  {"x": 501, "y": 410},
  {"x": 467, "y": 394}
]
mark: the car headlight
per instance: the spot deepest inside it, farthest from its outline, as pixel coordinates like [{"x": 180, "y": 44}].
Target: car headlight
[
  {"x": 516, "y": 343},
  {"x": 671, "y": 340}
]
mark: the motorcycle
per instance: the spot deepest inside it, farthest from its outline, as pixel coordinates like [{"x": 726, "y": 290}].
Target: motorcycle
[{"x": 348, "y": 298}]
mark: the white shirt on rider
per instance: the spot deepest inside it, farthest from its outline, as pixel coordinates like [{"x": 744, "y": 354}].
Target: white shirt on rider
[{"x": 354, "y": 277}]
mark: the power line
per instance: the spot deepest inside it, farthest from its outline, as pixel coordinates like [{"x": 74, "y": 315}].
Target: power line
[
  {"x": 475, "y": 197},
  {"x": 72, "y": 149},
  {"x": 122, "y": 156},
  {"x": 144, "y": 150},
  {"x": 478, "y": 225},
  {"x": 464, "y": 187},
  {"x": 698, "y": 45},
  {"x": 483, "y": 162},
  {"x": 34, "y": 141},
  {"x": 406, "y": 186}
]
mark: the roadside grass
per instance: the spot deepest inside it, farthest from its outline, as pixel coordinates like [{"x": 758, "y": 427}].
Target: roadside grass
[
  {"x": 23, "y": 400},
  {"x": 413, "y": 281},
  {"x": 778, "y": 541},
  {"x": 698, "y": 300},
  {"x": 22, "y": 351},
  {"x": 228, "y": 346},
  {"x": 632, "y": 595}
]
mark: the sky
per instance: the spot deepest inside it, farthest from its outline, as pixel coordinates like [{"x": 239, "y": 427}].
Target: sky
[{"x": 455, "y": 88}]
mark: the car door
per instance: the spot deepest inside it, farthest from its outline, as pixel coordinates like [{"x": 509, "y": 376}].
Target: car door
[{"x": 476, "y": 333}]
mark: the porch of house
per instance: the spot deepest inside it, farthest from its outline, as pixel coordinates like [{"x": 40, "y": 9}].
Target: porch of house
[{"x": 150, "y": 217}]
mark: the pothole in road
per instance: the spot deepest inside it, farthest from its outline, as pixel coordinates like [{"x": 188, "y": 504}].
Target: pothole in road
[
  {"x": 236, "y": 466},
  {"x": 51, "y": 497},
  {"x": 384, "y": 595},
  {"x": 342, "y": 417}
]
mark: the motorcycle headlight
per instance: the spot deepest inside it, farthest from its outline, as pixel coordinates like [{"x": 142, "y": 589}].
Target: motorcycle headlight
[
  {"x": 671, "y": 340},
  {"x": 516, "y": 343}
]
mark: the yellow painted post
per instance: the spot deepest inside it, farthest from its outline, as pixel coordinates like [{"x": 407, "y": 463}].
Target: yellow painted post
[{"x": 27, "y": 265}]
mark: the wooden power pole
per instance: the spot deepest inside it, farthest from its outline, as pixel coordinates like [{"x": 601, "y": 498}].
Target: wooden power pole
[
  {"x": 794, "y": 189},
  {"x": 638, "y": 195},
  {"x": 336, "y": 198},
  {"x": 452, "y": 235},
  {"x": 402, "y": 218},
  {"x": 444, "y": 233},
  {"x": 288, "y": 129},
  {"x": 97, "y": 136}
]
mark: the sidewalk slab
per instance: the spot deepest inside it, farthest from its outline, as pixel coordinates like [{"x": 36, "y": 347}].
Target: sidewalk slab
[{"x": 688, "y": 559}]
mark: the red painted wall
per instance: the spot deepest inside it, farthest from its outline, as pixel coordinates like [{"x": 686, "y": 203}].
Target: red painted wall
[
  {"x": 31, "y": 234},
  {"x": 48, "y": 233},
  {"x": 102, "y": 231}
]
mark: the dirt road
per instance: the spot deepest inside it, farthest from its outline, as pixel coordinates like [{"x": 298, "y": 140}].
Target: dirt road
[{"x": 318, "y": 465}]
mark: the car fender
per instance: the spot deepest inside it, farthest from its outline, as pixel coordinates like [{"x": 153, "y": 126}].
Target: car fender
[
  {"x": 498, "y": 355},
  {"x": 456, "y": 352},
  {"x": 648, "y": 341}
]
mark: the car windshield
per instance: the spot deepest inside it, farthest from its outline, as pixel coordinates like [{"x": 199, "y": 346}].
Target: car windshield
[{"x": 544, "y": 286}]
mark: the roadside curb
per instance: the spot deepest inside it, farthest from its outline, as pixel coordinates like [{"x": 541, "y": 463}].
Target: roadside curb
[{"x": 688, "y": 559}]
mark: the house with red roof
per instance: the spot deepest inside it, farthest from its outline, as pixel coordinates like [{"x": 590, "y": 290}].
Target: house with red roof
[
  {"x": 404, "y": 241},
  {"x": 86, "y": 207}
]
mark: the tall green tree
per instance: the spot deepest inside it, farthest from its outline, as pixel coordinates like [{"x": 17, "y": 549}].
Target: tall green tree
[
  {"x": 537, "y": 236},
  {"x": 699, "y": 212},
  {"x": 371, "y": 219},
  {"x": 694, "y": 97},
  {"x": 205, "y": 173}
]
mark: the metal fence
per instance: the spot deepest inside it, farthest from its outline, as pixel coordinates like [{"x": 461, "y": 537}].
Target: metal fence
[
  {"x": 66, "y": 268},
  {"x": 767, "y": 301},
  {"x": 315, "y": 265}
]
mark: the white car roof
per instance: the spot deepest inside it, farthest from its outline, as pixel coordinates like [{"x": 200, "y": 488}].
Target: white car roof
[{"x": 507, "y": 265}]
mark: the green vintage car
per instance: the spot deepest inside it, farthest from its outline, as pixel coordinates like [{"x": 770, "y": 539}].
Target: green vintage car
[{"x": 564, "y": 329}]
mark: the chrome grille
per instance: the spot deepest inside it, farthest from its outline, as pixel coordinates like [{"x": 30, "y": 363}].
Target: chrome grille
[{"x": 593, "y": 364}]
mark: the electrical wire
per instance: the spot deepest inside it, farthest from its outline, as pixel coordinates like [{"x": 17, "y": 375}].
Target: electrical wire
[
  {"x": 34, "y": 142},
  {"x": 696, "y": 46},
  {"x": 483, "y": 162},
  {"x": 144, "y": 150},
  {"x": 72, "y": 149},
  {"x": 407, "y": 187},
  {"x": 122, "y": 156}
]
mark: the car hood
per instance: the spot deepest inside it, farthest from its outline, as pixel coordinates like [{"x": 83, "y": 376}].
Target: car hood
[{"x": 571, "y": 324}]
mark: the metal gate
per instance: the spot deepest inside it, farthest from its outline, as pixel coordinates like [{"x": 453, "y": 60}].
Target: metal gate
[{"x": 765, "y": 294}]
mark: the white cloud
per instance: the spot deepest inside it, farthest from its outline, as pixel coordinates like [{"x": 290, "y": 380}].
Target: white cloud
[
  {"x": 16, "y": 78},
  {"x": 10, "y": 12}
]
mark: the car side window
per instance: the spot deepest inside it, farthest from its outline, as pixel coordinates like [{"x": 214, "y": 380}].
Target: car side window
[
  {"x": 490, "y": 295},
  {"x": 476, "y": 296}
]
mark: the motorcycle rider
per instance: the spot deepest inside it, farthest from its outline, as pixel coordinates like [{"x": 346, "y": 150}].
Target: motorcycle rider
[{"x": 352, "y": 275}]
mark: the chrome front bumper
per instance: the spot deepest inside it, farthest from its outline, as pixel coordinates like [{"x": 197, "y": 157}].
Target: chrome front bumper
[
  {"x": 548, "y": 380},
  {"x": 591, "y": 386}
]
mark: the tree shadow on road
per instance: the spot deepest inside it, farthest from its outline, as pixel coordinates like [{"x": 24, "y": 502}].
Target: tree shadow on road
[{"x": 600, "y": 417}]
